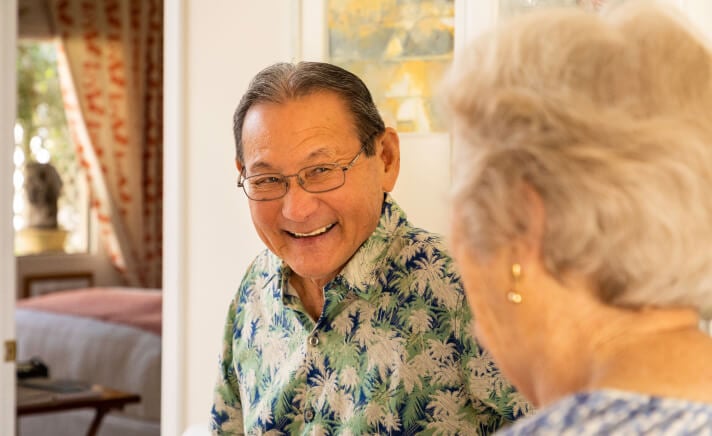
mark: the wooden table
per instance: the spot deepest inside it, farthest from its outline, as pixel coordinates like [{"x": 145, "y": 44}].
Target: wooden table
[{"x": 101, "y": 399}]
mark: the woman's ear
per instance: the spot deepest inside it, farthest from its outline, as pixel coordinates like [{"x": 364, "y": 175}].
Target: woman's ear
[
  {"x": 531, "y": 243},
  {"x": 389, "y": 153}
]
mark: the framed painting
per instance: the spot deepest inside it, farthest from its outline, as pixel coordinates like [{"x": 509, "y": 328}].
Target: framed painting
[{"x": 37, "y": 285}]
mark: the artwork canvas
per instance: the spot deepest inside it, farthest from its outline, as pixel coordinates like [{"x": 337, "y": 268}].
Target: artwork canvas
[
  {"x": 508, "y": 8},
  {"x": 401, "y": 48}
]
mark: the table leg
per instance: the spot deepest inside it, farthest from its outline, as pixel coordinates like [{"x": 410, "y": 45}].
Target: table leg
[{"x": 96, "y": 422}]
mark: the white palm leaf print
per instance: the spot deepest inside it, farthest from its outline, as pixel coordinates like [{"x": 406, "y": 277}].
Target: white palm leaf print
[
  {"x": 519, "y": 404},
  {"x": 448, "y": 374},
  {"x": 440, "y": 351},
  {"x": 420, "y": 367},
  {"x": 233, "y": 426},
  {"x": 342, "y": 405},
  {"x": 358, "y": 270},
  {"x": 419, "y": 321},
  {"x": 374, "y": 413},
  {"x": 300, "y": 396},
  {"x": 387, "y": 351},
  {"x": 390, "y": 221},
  {"x": 273, "y": 349},
  {"x": 405, "y": 254},
  {"x": 428, "y": 272},
  {"x": 481, "y": 385},
  {"x": 264, "y": 411},
  {"x": 315, "y": 363},
  {"x": 324, "y": 386},
  {"x": 350, "y": 378},
  {"x": 343, "y": 324},
  {"x": 481, "y": 365},
  {"x": 447, "y": 297},
  {"x": 364, "y": 333},
  {"x": 320, "y": 430},
  {"x": 391, "y": 422},
  {"x": 411, "y": 374},
  {"x": 446, "y": 408},
  {"x": 283, "y": 373}
]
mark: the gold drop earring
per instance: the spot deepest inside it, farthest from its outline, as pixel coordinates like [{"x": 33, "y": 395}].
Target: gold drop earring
[{"x": 513, "y": 295}]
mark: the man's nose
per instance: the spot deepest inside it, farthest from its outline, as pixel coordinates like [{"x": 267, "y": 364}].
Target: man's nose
[{"x": 298, "y": 205}]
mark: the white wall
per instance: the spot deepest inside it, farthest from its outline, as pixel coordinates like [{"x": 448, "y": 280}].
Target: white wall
[
  {"x": 222, "y": 44},
  {"x": 700, "y": 12},
  {"x": 226, "y": 43}
]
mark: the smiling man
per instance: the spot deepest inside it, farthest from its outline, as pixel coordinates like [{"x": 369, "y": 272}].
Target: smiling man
[{"x": 352, "y": 321}]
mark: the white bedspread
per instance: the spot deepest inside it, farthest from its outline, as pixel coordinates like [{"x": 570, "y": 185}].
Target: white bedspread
[{"x": 114, "y": 355}]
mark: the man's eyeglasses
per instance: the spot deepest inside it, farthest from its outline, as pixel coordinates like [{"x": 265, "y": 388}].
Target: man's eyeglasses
[{"x": 314, "y": 179}]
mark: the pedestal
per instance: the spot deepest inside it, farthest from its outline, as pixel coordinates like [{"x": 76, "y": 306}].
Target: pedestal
[{"x": 35, "y": 240}]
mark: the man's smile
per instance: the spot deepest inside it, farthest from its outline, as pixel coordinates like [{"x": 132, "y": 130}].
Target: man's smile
[{"x": 316, "y": 232}]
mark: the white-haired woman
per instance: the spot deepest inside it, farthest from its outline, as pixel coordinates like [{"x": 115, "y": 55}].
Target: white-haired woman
[{"x": 582, "y": 215}]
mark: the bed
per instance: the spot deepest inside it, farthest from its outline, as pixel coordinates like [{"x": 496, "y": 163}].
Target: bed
[{"x": 108, "y": 336}]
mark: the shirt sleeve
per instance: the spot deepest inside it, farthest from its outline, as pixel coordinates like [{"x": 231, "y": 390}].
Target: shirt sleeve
[
  {"x": 226, "y": 414},
  {"x": 485, "y": 385}
]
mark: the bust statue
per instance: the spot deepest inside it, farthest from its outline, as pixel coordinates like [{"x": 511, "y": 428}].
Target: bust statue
[{"x": 42, "y": 188}]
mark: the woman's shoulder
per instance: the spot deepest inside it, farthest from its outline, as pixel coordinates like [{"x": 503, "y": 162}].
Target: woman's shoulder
[{"x": 606, "y": 412}]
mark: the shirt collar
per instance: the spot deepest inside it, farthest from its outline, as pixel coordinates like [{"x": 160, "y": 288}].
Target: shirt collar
[{"x": 361, "y": 273}]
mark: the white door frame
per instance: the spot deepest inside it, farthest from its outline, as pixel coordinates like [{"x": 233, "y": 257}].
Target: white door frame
[
  {"x": 174, "y": 380},
  {"x": 8, "y": 52}
]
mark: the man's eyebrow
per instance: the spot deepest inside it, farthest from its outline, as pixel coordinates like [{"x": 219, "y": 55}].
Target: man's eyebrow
[
  {"x": 321, "y": 152},
  {"x": 260, "y": 166}
]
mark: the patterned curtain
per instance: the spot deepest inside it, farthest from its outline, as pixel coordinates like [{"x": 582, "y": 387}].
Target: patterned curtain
[{"x": 110, "y": 63}]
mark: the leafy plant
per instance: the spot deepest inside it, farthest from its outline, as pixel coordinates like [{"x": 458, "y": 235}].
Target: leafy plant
[{"x": 40, "y": 110}]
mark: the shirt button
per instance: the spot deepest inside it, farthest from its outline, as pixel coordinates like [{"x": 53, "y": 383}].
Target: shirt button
[
  {"x": 314, "y": 340},
  {"x": 308, "y": 415}
]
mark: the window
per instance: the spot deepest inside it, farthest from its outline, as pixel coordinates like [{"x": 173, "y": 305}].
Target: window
[{"x": 50, "y": 203}]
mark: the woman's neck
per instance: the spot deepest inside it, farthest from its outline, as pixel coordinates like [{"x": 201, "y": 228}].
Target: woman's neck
[
  {"x": 665, "y": 354},
  {"x": 650, "y": 351}
]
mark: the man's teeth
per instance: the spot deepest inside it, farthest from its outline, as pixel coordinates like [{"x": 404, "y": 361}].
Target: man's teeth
[{"x": 314, "y": 233}]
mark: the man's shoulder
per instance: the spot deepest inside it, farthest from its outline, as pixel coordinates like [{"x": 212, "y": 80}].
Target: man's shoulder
[
  {"x": 401, "y": 231},
  {"x": 265, "y": 267},
  {"x": 416, "y": 240},
  {"x": 418, "y": 260},
  {"x": 264, "y": 261}
]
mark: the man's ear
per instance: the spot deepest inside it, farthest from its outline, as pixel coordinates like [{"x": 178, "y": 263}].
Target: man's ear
[{"x": 389, "y": 154}]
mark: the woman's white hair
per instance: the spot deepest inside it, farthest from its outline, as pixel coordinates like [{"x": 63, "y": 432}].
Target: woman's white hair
[{"x": 609, "y": 119}]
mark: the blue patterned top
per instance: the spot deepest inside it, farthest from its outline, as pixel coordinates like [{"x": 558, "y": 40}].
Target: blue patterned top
[
  {"x": 611, "y": 412},
  {"x": 391, "y": 352}
]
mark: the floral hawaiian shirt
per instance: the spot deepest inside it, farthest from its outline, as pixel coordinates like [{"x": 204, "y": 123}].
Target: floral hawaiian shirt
[
  {"x": 611, "y": 412},
  {"x": 391, "y": 352}
]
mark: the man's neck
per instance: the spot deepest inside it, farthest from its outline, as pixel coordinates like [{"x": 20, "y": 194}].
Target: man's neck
[{"x": 311, "y": 294}]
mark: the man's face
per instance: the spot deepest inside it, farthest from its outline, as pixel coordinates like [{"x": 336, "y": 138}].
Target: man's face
[{"x": 316, "y": 234}]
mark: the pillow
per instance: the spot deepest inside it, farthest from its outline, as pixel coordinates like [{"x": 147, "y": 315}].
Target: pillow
[{"x": 136, "y": 307}]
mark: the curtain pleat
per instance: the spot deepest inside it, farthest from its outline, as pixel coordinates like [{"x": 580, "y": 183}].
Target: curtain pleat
[{"x": 110, "y": 64}]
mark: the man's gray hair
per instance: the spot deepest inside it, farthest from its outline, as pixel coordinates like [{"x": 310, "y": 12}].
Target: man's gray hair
[{"x": 281, "y": 82}]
